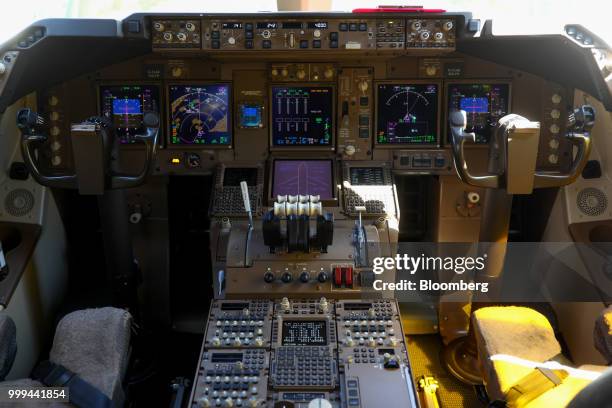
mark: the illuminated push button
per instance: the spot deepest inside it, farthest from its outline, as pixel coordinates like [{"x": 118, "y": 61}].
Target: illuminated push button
[
  {"x": 554, "y": 128},
  {"x": 56, "y": 160},
  {"x": 555, "y": 113}
]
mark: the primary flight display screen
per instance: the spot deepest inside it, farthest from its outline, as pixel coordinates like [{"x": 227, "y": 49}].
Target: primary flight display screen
[
  {"x": 302, "y": 116},
  {"x": 294, "y": 177},
  {"x": 125, "y": 105},
  {"x": 484, "y": 105},
  {"x": 304, "y": 333},
  {"x": 199, "y": 114},
  {"x": 407, "y": 114}
]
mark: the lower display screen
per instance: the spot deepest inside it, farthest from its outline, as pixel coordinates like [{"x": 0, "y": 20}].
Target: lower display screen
[
  {"x": 407, "y": 114},
  {"x": 304, "y": 333},
  {"x": 484, "y": 105},
  {"x": 367, "y": 176},
  {"x": 294, "y": 177},
  {"x": 125, "y": 105},
  {"x": 302, "y": 116},
  {"x": 232, "y": 176},
  {"x": 199, "y": 114}
]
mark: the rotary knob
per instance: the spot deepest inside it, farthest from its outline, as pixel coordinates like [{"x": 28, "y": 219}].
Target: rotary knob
[
  {"x": 300, "y": 74},
  {"x": 269, "y": 277},
  {"x": 284, "y": 72},
  {"x": 322, "y": 277},
  {"x": 305, "y": 277},
  {"x": 328, "y": 73},
  {"x": 363, "y": 85},
  {"x": 181, "y": 36},
  {"x": 157, "y": 26},
  {"x": 287, "y": 277},
  {"x": 231, "y": 41},
  {"x": 349, "y": 150},
  {"x": 204, "y": 402},
  {"x": 425, "y": 35},
  {"x": 319, "y": 403}
]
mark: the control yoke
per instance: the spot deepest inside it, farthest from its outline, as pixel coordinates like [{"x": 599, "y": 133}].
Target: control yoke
[
  {"x": 513, "y": 152},
  {"x": 94, "y": 152}
]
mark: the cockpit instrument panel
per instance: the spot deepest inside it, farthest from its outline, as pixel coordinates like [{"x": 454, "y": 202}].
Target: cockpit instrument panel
[
  {"x": 295, "y": 177},
  {"x": 302, "y": 116},
  {"x": 199, "y": 115},
  {"x": 125, "y": 105},
  {"x": 407, "y": 113},
  {"x": 484, "y": 104}
]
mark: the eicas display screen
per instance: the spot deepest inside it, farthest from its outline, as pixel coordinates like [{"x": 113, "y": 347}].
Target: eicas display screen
[
  {"x": 304, "y": 333},
  {"x": 125, "y": 105},
  {"x": 302, "y": 116},
  {"x": 407, "y": 114},
  {"x": 484, "y": 105},
  {"x": 294, "y": 177},
  {"x": 199, "y": 114}
]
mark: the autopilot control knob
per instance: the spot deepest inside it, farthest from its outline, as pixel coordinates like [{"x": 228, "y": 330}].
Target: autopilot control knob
[
  {"x": 287, "y": 277},
  {"x": 285, "y": 305},
  {"x": 322, "y": 277},
  {"x": 305, "y": 277},
  {"x": 349, "y": 150},
  {"x": 323, "y": 305},
  {"x": 328, "y": 73},
  {"x": 269, "y": 276},
  {"x": 300, "y": 74}
]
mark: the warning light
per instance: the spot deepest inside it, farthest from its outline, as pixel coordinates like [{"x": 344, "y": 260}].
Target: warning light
[{"x": 175, "y": 160}]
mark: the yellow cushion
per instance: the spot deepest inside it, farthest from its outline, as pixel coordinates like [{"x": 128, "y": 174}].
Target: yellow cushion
[{"x": 511, "y": 331}]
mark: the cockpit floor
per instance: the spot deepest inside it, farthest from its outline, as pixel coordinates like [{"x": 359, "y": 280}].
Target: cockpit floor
[{"x": 424, "y": 352}]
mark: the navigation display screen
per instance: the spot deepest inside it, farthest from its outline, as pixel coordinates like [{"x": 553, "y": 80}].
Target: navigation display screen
[
  {"x": 484, "y": 105},
  {"x": 407, "y": 114},
  {"x": 302, "y": 116},
  {"x": 304, "y": 333},
  {"x": 199, "y": 114},
  {"x": 125, "y": 105},
  {"x": 367, "y": 176},
  {"x": 293, "y": 177}
]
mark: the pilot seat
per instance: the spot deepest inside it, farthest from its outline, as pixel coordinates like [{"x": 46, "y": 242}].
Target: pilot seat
[
  {"x": 90, "y": 354},
  {"x": 522, "y": 362}
]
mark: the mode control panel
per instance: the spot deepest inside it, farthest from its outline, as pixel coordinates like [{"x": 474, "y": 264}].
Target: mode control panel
[{"x": 370, "y": 185}]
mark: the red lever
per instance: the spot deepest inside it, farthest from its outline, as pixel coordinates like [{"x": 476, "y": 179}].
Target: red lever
[
  {"x": 348, "y": 276},
  {"x": 338, "y": 276}
]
